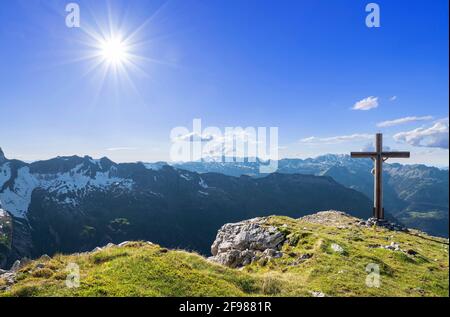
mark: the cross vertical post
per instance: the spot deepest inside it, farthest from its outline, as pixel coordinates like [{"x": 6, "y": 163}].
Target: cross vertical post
[
  {"x": 379, "y": 157},
  {"x": 378, "y": 175}
]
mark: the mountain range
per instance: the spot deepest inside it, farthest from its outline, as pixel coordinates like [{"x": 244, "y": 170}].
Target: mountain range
[
  {"x": 416, "y": 195},
  {"x": 72, "y": 204}
]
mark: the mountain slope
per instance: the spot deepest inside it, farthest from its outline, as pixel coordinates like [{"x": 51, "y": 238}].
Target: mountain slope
[
  {"x": 5, "y": 236},
  {"x": 415, "y": 194},
  {"x": 326, "y": 254}
]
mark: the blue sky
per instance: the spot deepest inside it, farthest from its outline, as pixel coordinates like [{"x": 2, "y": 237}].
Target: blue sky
[{"x": 300, "y": 66}]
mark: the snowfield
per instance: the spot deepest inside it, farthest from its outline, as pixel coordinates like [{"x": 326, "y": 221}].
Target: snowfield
[{"x": 17, "y": 198}]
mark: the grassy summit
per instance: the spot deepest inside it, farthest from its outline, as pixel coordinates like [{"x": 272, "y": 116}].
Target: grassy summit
[{"x": 324, "y": 254}]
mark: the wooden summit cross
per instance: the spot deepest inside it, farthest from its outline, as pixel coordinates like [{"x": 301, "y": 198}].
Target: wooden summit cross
[{"x": 379, "y": 157}]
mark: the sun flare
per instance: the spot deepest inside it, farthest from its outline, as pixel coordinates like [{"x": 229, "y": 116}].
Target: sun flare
[{"x": 114, "y": 51}]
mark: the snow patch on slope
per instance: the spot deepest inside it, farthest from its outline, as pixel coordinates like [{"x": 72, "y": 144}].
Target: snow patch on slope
[
  {"x": 17, "y": 199},
  {"x": 186, "y": 177},
  {"x": 202, "y": 183},
  {"x": 154, "y": 166}
]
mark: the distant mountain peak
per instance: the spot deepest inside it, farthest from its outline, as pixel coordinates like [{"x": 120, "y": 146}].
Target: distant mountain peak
[{"x": 2, "y": 156}]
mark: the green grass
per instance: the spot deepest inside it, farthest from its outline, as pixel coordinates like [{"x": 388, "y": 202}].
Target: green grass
[{"x": 142, "y": 269}]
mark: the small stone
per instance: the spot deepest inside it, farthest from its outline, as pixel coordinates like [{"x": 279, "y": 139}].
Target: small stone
[
  {"x": 305, "y": 256},
  {"x": 393, "y": 246},
  {"x": 45, "y": 257},
  {"x": 337, "y": 248},
  {"x": 39, "y": 266},
  {"x": 271, "y": 253},
  {"x": 317, "y": 294},
  {"x": 122, "y": 244},
  {"x": 263, "y": 261},
  {"x": 411, "y": 252},
  {"x": 302, "y": 258},
  {"x": 9, "y": 278},
  {"x": 419, "y": 290},
  {"x": 16, "y": 266}
]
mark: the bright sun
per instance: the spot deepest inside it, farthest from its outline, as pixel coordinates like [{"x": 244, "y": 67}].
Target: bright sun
[{"x": 114, "y": 51}]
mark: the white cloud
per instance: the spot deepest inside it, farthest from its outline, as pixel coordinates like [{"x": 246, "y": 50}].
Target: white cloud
[
  {"x": 366, "y": 104},
  {"x": 393, "y": 98},
  {"x": 399, "y": 121},
  {"x": 195, "y": 137},
  {"x": 338, "y": 139},
  {"x": 432, "y": 136},
  {"x": 370, "y": 147},
  {"x": 218, "y": 144}
]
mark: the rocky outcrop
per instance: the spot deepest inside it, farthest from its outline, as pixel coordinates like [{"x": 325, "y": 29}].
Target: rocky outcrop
[
  {"x": 331, "y": 218},
  {"x": 343, "y": 220},
  {"x": 239, "y": 244},
  {"x": 9, "y": 276}
]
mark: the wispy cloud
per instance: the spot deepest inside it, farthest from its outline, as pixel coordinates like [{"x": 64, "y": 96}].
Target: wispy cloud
[
  {"x": 393, "y": 98},
  {"x": 338, "y": 139},
  {"x": 195, "y": 137},
  {"x": 435, "y": 135},
  {"x": 391, "y": 123},
  {"x": 366, "y": 104},
  {"x": 217, "y": 144},
  {"x": 123, "y": 148},
  {"x": 370, "y": 147}
]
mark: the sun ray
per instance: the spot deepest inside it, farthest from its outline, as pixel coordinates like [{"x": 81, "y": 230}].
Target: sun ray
[
  {"x": 153, "y": 60},
  {"x": 146, "y": 22}
]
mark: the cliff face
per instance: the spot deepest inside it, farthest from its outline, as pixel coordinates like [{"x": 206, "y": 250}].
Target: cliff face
[
  {"x": 5, "y": 236},
  {"x": 2, "y": 156},
  {"x": 325, "y": 254}
]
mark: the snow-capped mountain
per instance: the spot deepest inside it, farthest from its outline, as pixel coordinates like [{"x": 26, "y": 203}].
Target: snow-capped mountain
[{"x": 66, "y": 178}]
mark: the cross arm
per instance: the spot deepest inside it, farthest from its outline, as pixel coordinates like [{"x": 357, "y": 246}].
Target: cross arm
[
  {"x": 396, "y": 154},
  {"x": 363, "y": 154}
]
